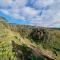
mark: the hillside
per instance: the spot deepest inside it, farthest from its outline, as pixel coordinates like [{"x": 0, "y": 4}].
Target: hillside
[{"x": 24, "y": 42}]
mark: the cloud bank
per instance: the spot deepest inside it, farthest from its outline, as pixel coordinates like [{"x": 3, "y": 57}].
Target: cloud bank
[{"x": 45, "y": 13}]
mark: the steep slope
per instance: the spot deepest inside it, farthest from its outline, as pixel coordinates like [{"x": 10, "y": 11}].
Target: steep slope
[{"x": 19, "y": 42}]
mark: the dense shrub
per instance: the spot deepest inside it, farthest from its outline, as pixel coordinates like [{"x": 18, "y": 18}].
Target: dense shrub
[{"x": 39, "y": 35}]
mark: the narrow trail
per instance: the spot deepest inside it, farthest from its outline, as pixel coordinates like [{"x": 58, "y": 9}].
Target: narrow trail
[{"x": 38, "y": 52}]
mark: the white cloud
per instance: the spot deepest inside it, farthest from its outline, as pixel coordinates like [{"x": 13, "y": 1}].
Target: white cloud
[
  {"x": 41, "y": 12},
  {"x": 26, "y": 12},
  {"x": 56, "y": 18},
  {"x": 44, "y": 2},
  {"x": 4, "y": 11},
  {"x": 19, "y": 3},
  {"x": 12, "y": 3},
  {"x": 29, "y": 11},
  {"x": 5, "y": 3}
]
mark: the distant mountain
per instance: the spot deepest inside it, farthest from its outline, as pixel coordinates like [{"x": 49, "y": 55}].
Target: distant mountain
[{"x": 24, "y": 42}]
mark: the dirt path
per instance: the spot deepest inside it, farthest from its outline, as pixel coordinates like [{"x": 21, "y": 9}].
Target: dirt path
[{"x": 38, "y": 52}]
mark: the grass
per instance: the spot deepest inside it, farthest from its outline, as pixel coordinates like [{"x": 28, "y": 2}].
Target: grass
[{"x": 20, "y": 35}]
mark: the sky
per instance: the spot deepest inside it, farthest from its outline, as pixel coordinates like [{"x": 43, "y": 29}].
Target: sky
[{"x": 44, "y": 13}]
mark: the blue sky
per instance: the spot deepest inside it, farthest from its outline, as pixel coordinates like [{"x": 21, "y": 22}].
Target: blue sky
[
  {"x": 44, "y": 13},
  {"x": 12, "y": 20}
]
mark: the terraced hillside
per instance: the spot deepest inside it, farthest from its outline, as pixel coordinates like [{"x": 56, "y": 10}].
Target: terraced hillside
[{"x": 21, "y": 42}]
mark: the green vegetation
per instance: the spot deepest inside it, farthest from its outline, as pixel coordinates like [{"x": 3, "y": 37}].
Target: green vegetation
[{"x": 24, "y": 42}]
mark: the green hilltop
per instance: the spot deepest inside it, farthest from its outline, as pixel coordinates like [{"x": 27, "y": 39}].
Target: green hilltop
[{"x": 24, "y": 42}]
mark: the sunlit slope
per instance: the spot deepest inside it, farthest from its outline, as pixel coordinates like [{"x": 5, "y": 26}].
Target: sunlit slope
[
  {"x": 20, "y": 42},
  {"x": 10, "y": 42}
]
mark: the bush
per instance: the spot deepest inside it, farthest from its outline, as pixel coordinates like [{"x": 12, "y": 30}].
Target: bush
[{"x": 39, "y": 35}]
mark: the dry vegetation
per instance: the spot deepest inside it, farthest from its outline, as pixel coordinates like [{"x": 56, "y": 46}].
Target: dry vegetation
[{"x": 21, "y": 42}]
